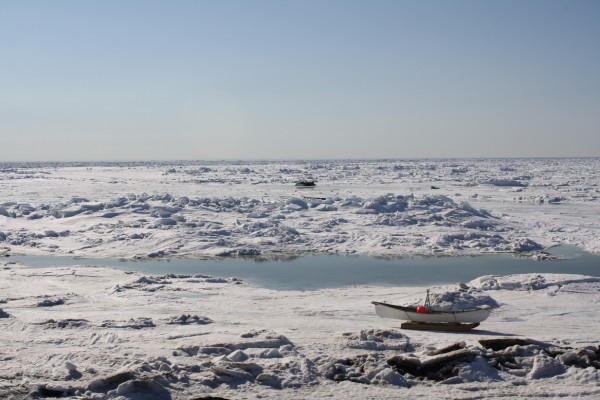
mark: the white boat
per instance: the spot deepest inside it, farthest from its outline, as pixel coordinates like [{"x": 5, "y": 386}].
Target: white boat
[{"x": 473, "y": 315}]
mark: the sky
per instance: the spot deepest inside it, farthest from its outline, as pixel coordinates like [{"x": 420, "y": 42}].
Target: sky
[{"x": 305, "y": 79}]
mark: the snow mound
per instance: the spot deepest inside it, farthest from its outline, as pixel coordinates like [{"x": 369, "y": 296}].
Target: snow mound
[
  {"x": 377, "y": 339},
  {"x": 529, "y": 282},
  {"x": 458, "y": 297}
]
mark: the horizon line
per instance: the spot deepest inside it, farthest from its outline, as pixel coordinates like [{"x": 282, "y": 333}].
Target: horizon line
[{"x": 136, "y": 161}]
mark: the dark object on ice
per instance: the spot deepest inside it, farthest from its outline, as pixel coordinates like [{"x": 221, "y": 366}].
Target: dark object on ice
[
  {"x": 448, "y": 349},
  {"x": 434, "y": 187},
  {"x": 186, "y": 319},
  {"x": 50, "y": 303},
  {"x": 305, "y": 183},
  {"x": 3, "y": 314},
  {"x": 65, "y": 323},
  {"x": 43, "y": 391},
  {"x": 436, "y": 368},
  {"x": 442, "y": 326},
  {"x": 503, "y": 343}
]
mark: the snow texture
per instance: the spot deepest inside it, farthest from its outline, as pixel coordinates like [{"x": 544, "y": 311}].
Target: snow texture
[
  {"x": 254, "y": 208},
  {"x": 201, "y": 337},
  {"x": 93, "y": 332}
]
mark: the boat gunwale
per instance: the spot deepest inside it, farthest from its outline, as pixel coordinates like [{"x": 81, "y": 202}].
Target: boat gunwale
[{"x": 414, "y": 309}]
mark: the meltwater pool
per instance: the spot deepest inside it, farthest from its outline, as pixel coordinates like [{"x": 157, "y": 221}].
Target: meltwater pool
[{"x": 316, "y": 272}]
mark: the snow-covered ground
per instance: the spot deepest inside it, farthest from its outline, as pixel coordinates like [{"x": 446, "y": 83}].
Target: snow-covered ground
[
  {"x": 250, "y": 208},
  {"x": 99, "y": 333},
  {"x": 93, "y": 332}
]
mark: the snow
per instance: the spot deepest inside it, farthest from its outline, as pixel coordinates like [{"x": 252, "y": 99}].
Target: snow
[
  {"x": 94, "y": 332},
  {"x": 118, "y": 335},
  {"x": 241, "y": 208}
]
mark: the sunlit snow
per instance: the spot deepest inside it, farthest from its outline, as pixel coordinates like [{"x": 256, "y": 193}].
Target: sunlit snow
[{"x": 93, "y": 332}]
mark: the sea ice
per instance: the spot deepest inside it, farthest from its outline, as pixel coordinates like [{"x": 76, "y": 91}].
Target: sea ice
[
  {"x": 93, "y": 332},
  {"x": 253, "y": 208}
]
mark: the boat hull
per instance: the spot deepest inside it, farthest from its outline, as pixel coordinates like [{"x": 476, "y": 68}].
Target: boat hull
[{"x": 385, "y": 310}]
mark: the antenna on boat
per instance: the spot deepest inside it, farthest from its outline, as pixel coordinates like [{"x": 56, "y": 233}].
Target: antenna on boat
[{"x": 427, "y": 301}]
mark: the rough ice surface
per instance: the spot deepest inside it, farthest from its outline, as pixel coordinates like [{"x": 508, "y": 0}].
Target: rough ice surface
[
  {"x": 93, "y": 332},
  {"x": 253, "y": 208},
  {"x": 193, "y": 338}
]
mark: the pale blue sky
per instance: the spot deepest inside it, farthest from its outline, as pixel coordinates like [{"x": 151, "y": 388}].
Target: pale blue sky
[{"x": 140, "y": 80}]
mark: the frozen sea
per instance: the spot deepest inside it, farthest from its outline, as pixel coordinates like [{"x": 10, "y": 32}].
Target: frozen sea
[
  {"x": 371, "y": 207},
  {"x": 197, "y": 280}
]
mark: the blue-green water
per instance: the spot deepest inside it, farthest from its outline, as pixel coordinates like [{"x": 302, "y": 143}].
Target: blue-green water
[{"x": 316, "y": 272}]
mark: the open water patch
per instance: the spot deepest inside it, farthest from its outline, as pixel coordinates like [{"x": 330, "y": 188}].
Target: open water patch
[{"x": 319, "y": 272}]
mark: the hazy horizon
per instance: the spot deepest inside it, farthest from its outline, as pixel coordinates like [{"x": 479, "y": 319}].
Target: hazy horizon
[
  {"x": 286, "y": 160},
  {"x": 266, "y": 80}
]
